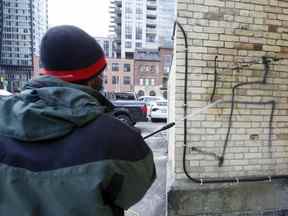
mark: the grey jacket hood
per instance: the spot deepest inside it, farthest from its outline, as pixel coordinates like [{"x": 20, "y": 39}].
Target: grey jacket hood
[{"x": 49, "y": 108}]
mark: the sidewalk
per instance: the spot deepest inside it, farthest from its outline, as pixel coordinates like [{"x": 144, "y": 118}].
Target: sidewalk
[{"x": 154, "y": 202}]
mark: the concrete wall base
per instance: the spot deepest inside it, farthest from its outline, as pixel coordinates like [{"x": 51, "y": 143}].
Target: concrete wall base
[{"x": 249, "y": 199}]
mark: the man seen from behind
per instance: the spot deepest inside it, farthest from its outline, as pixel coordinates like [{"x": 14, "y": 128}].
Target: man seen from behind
[{"x": 61, "y": 152}]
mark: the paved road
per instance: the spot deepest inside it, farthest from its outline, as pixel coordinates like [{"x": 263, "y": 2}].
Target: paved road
[{"x": 154, "y": 202}]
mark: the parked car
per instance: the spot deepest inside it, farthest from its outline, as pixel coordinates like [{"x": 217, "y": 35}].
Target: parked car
[
  {"x": 137, "y": 110},
  {"x": 5, "y": 93},
  {"x": 148, "y": 100},
  {"x": 159, "y": 110},
  {"x": 121, "y": 96},
  {"x": 127, "y": 108}
]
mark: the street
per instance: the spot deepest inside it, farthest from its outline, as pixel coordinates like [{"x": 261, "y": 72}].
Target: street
[{"x": 154, "y": 202}]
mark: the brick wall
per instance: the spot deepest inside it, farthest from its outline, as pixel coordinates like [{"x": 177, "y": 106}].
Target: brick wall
[
  {"x": 237, "y": 31},
  {"x": 121, "y": 73},
  {"x": 151, "y": 76}
]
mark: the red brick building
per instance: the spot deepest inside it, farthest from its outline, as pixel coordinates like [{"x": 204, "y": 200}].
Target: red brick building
[
  {"x": 147, "y": 74},
  {"x": 119, "y": 75},
  {"x": 166, "y": 55}
]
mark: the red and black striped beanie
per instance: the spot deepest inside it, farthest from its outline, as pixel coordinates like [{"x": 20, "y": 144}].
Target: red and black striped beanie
[{"x": 69, "y": 53}]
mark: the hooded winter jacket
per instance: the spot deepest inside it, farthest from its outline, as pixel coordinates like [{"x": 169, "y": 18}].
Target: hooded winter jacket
[{"x": 63, "y": 155}]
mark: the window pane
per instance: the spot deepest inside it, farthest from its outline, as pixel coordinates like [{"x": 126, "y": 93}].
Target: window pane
[
  {"x": 147, "y": 82},
  {"x": 127, "y": 68},
  {"x": 115, "y": 67},
  {"x": 115, "y": 80},
  {"x": 126, "y": 80},
  {"x": 128, "y": 44},
  {"x": 128, "y": 30},
  {"x": 139, "y": 32},
  {"x": 105, "y": 79},
  {"x": 106, "y": 48}
]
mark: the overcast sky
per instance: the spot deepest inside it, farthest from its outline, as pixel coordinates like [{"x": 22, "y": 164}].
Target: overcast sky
[{"x": 90, "y": 15}]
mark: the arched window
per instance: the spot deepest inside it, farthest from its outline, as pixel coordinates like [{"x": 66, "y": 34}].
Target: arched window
[
  {"x": 140, "y": 93},
  {"x": 152, "y": 93}
]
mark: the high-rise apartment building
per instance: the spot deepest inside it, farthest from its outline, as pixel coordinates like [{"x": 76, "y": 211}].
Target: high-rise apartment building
[
  {"x": 141, "y": 24},
  {"x": 119, "y": 73},
  {"x": 166, "y": 19},
  {"x": 116, "y": 24},
  {"x": 108, "y": 45},
  {"x": 22, "y": 25}
]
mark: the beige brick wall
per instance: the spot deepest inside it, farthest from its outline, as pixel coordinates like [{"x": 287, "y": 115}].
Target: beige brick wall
[{"x": 237, "y": 31}]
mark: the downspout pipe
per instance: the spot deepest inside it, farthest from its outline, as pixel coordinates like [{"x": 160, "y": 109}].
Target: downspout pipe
[
  {"x": 185, "y": 98},
  {"x": 210, "y": 180}
]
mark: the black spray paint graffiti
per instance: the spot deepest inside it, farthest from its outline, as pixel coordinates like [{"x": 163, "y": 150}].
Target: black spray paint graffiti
[
  {"x": 210, "y": 180},
  {"x": 266, "y": 61}
]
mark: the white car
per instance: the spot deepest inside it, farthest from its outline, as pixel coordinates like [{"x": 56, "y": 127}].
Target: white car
[
  {"x": 5, "y": 93},
  {"x": 149, "y": 100},
  {"x": 159, "y": 110}
]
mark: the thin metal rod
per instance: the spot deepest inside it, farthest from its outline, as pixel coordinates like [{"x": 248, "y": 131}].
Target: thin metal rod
[{"x": 172, "y": 124}]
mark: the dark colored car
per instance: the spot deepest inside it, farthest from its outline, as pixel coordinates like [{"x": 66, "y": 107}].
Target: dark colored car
[
  {"x": 136, "y": 110},
  {"x": 126, "y": 108}
]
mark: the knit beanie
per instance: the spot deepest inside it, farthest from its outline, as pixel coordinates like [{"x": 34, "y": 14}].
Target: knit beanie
[{"x": 69, "y": 53}]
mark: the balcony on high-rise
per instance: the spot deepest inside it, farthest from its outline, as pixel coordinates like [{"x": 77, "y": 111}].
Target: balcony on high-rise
[
  {"x": 115, "y": 29},
  {"x": 116, "y": 19},
  {"x": 115, "y": 10},
  {"x": 152, "y": 13},
  {"x": 150, "y": 30},
  {"x": 117, "y": 3},
  {"x": 151, "y": 22},
  {"x": 152, "y": 3}
]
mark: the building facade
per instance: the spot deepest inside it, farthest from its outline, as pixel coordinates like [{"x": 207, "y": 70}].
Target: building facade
[
  {"x": 166, "y": 56},
  {"x": 23, "y": 24},
  {"x": 116, "y": 24},
  {"x": 232, "y": 159},
  {"x": 141, "y": 24},
  {"x": 119, "y": 75},
  {"x": 147, "y": 74},
  {"x": 166, "y": 20},
  {"x": 108, "y": 45}
]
